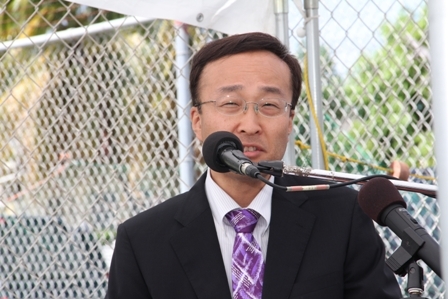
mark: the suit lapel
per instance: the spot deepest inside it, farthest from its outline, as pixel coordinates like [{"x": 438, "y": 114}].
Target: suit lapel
[
  {"x": 289, "y": 232},
  {"x": 197, "y": 246}
]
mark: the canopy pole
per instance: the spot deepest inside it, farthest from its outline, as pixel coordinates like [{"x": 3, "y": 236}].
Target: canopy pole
[{"x": 438, "y": 41}]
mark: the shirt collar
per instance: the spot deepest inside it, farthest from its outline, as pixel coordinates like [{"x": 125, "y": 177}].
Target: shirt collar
[{"x": 221, "y": 203}]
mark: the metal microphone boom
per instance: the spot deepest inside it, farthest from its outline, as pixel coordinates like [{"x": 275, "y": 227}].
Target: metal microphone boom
[
  {"x": 278, "y": 168},
  {"x": 429, "y": 190}
]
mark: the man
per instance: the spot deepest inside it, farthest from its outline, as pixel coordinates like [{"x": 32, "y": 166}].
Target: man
[{"x": 303, "y": 245}]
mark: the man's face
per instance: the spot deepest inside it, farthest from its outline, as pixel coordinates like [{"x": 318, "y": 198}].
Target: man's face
[{"x": 251, "y": 76}]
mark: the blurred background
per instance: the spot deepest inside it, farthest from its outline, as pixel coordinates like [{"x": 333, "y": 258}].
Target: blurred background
[{"x": 93, "y": 131}]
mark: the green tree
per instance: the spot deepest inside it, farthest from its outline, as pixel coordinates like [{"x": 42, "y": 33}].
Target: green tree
[
  {"x": 106, "y": 97},
  {"x": 25, "y": 18},
  {"x": 30, "y": 74},
  {"x": 391, "y": 93}
]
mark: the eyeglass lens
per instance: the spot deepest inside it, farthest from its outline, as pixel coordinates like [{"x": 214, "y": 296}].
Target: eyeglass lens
[{"x": 267, "y": 106}]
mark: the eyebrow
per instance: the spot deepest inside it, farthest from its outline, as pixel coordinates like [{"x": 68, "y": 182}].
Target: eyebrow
[
  {"x": 231, "y": 88},
  {"x": 272, "y": 89},
  {"x": 237, "y": 87}
]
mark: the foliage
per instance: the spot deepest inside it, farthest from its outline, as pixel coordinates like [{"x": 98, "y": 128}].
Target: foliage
[
  {"x": 391, "y": 95},
  {"x": 93, "y": 97},
  {"x": 25, "y": 18}
]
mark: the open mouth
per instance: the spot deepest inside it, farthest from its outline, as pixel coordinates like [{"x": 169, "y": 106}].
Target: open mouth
[{"x": 250, "y": 149}]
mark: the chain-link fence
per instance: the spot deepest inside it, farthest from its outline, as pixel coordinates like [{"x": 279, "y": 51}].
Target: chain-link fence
[{"x": 90, "y": 126}]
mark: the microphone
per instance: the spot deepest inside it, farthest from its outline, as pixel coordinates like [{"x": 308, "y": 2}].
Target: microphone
[
  {"x": 382, "y": 202},
  {"x": 223, "y": 151}
]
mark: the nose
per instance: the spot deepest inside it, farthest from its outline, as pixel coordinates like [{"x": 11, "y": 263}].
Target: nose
[{"x": 249, "y": 122}]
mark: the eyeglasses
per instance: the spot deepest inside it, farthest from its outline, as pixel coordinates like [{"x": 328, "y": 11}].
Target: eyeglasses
[{"x": 230, "y": 105}]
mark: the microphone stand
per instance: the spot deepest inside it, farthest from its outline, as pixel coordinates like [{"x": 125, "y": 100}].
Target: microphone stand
[
  {"x": 403, "y": 262},
  {"x": 415, "y": 281}
]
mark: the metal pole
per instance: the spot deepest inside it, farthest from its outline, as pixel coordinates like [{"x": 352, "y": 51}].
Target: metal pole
[
  {"x": 314, "y": 77},
  {"x": 72, "y": 33},
  {"x": 281, "y": 21},
  {"x": 281, "y": 32},
  {"x": 438, "y": 40},
  {"x": 183, "y": 109}
]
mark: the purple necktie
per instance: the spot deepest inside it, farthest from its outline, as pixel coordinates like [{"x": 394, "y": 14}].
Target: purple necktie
[{"x": 247, "y": 259}]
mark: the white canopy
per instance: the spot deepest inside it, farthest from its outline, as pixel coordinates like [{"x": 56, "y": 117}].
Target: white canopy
[{"x": 228, "y": 16}]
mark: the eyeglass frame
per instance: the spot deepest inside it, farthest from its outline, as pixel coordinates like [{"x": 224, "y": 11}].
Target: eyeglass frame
[{"x": 245, "y": 107}]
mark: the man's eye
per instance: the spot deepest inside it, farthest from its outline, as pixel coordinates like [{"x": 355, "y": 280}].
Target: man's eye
[
  {"x": 230, "y": 104},
  {"x": 270, "y": 105}
]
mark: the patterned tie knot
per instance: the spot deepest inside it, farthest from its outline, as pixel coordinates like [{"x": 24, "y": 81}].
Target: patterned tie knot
[{"x": 243, "y": 220}]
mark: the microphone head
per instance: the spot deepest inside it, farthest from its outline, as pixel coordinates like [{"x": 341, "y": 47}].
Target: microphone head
[
  {"x": 376, "y": 196},
  {"x": 213, "y": 146}
]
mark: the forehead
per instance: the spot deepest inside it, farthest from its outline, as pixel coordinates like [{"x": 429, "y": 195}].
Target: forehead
[{"x": 259, "y": 71}]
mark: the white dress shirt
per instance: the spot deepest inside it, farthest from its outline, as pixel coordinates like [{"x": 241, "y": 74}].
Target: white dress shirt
[{"x": 221, "y": 203}]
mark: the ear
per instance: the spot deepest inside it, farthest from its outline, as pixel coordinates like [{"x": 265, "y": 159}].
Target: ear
[
  {"x": 291, "y": 121},
  {"x": 196, "y": 122}
]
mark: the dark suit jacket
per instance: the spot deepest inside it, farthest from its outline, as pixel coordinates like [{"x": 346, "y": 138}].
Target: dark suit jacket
[{"x": 321, "y": 245}]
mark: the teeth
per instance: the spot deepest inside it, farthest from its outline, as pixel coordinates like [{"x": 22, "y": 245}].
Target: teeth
[{"x": 250, "y": 148}]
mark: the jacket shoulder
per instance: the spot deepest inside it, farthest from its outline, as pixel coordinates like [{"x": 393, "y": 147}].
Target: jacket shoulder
[{"x": 156, "y": 216}]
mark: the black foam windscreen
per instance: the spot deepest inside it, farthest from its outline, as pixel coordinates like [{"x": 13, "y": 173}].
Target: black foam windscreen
[
  {"x": 377, "y": 195},
  {"x": 214, "y": 144}
]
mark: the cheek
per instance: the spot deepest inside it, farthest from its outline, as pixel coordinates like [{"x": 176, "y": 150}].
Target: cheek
[
  {"x": 208, "y": 125},
  {"x": 279, "y": 136},
  {"x": 290, "y": 124},
  {"x": 286, "y": 127},
  {"x": 287, "y": 132},
  {"x": 218, "y": 122}
]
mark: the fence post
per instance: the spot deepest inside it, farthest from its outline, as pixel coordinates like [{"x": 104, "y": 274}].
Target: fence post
[
  {"x": 281, "y": 32},
  {"x": 183, "y": 109},
  {"x": 314, "y": 78}
]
